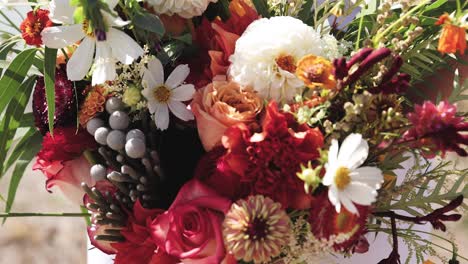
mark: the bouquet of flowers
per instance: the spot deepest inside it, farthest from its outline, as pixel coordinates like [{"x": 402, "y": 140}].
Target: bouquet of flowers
[{"x": 241, "y": 131}]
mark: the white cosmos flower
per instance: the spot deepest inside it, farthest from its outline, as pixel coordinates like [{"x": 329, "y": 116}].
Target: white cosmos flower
[
  {"x": 117, "y": 45},
  {"x": 183, "y": 8},
  {"x": 347, "y": 182},
  {"x": 162, "y": 96},
  {"x": 266, "y": 55}
]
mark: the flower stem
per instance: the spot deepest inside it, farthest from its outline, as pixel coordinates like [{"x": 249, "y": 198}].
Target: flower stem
[
  {"x": 397, "y": 22},
  {"x": 361, "y": 20},
  {"x": 8, "y": 215}
]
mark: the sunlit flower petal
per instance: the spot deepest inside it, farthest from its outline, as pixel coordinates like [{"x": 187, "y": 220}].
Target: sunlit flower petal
[
  {"x": 79, "y": 64},
  {"x": 62, "y": 36}
]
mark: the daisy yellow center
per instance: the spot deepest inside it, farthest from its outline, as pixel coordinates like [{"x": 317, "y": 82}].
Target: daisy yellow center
[
  {"x": 286, "y": 62},
  {"x": 162, "y": 94},
  {"x": 342, "y": 178},
  {"x": 87, "y": 29}
]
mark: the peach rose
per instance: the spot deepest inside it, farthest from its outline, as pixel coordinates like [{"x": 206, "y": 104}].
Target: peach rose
[{"x": 222, "y": 104}]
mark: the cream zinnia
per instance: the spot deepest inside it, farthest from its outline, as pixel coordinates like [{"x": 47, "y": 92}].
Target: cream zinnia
[
  {"x": 349, "y": 183},
  {"x": 115, "y": 45},
  {"x": 266, "y": 55},
  {"x": 162, "y": 96},
  {"x": 183, "y": 8}
]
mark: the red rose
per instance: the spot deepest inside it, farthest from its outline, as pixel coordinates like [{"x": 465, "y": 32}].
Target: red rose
[
  {"x": 325, "y": 223},
  {"x": 138, "y": 247},
  {"x": 191, "y": 229},
  {"x": 61, "y": 161},
  {"x": 33, "y": 24},
  {"x": 265, "y": 163}
]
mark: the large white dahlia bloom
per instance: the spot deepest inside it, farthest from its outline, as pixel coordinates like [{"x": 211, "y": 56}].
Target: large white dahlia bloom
[
  {"x": 266, "y": 55},
  {"x": 183, "y": 8}
]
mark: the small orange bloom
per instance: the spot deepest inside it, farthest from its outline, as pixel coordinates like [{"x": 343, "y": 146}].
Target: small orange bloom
[
  {"x": 428, "y": 262},
  {"x": 94, "y": 103},
  {"x": 316, "y": 72},
  {"x": 453, "y": 38}
]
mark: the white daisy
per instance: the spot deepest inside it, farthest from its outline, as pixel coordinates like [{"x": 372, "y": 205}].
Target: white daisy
[
  {"x": 117, "y": 46},
  {"x": 162, "y": 96},
  {"x": 266, "y": 55},
  {"x": 348, "y": 183}
]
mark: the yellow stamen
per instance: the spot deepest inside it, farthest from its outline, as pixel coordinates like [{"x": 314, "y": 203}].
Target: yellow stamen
[
  {"x": 162, "y": 94},
  {"x": 342, "y": 178}
]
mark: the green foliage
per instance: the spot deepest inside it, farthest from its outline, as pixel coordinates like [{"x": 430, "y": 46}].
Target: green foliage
[
  {"x": 149, "y": 22},
  {"x": 14, "y": 76},
  {"x": 13, "y": 115},
  {"x": 30, "y": 148},
  {"x": 262, "y": 7},
  {"x": 425, "y": 187},
  {"x": 459, "y": 89},
  {"x": 50, "y": 58}
]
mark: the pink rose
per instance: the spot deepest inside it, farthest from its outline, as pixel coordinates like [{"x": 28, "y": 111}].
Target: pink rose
[
  {"x": 222, "y": 104},
  {"x": 191, "y": 229},
  {"x": 67, "y": 176}
]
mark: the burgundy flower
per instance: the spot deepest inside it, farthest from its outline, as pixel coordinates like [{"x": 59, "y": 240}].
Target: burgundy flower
[
  {"x": 65, "y": 102},
  {"x": 437, "y": 128},
  {"x": 392, "y": 81},
  {"x": 325, "y": 222},
  {"x": 266, "y": 163},
  {"x": 138, "y": 247}
]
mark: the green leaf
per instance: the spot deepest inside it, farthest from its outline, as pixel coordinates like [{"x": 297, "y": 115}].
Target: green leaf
[
  {"x": 14, "y": 76},
  {"x": 20, "y": 166},
  {"x": 1, "y": 198},
  {"x": 31, "y": 137},
  {"x": 149, "y": 22},
  {"x": 262, "y": 7},
  {"x": 50, "y": 59},
  {"x": 435, "y": 5},
  {"x": 84, "y": 210},
  {"x": 13, "y": 115},
  {"x": 4, "y": 53}
]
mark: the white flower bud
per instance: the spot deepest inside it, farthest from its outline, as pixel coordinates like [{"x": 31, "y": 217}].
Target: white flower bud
[
  {"x": 93, "y": 125},
  {"x": 135, "y": 148},
  {"x": 116, "y": 140},
  {"x": 100, "y": 135},
  {"x": 114, "y": 104},
  {"x": 98, "y": 172},
  {"x": 135, "y": 133},
  {"x": 119, "y": 120}
]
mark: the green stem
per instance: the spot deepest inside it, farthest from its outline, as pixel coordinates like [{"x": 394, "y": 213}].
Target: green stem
[
  {"x": 8, "y": 215},
  {"x": 397, "y": 22},
  {"x": 361, "y": 21},
  {"x": 459, "y": 9},
  {"x": 13, "y": 25}
]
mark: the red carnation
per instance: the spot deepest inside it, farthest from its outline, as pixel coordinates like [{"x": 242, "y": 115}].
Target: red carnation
[
  {"x": 62, "y": 162},
  {"x": 67, "y": 143},
  {"x": 266, "y": 163},
  {"x": 325, "y": 222},
  {"x": 437, "y": 128},
  {"x": 138, "y": 247},
  {"x": 33, "y": 24},
  {"x": 65, "y": 102}
]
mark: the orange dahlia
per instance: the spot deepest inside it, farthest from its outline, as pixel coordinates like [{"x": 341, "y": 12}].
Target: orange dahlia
[
  {"x": 255, "y": 229},
  {"x": 453, "y": 38},
  {"x": 94, "y": 103},
  {"x": 316, "y": 72}
]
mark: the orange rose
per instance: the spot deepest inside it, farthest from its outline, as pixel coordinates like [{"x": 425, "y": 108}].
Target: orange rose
[{"x": 222, "y": 104}]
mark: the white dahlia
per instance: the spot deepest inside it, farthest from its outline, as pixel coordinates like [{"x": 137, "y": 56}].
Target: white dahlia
[
  {"x": 183, "y": 8},
  {"x": 266, "y": 55}
]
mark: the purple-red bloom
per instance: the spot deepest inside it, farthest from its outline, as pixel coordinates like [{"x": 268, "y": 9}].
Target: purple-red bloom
[
  {"x": 392, "y": 81},
  {"x": 65, "y": 102},
  {"x": 437, "y": 128}
]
